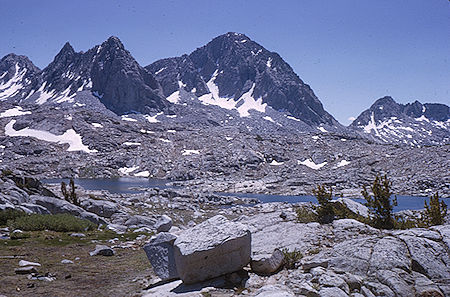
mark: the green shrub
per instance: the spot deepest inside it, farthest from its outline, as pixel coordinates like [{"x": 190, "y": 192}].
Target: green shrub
[
  {"x": 343, "y": 212},
  {"x": 291, "y": 258},
  {"x": 305, "y": 214},
  {"x": 10, "y": 214},
  {"x": 325, "y": 211},
  {"x": 408, "y": 223},
  {"x": 58, "y": 223},
  {"x": 380, "y": 204},
  {"x": 435, "y": 212}
]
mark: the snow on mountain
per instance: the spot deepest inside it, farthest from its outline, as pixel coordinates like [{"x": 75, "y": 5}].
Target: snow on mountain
[
  {"x": 236, "y": 73},
  {"x": 107, "y": 71},
  {"x": 412, "y": 123}
]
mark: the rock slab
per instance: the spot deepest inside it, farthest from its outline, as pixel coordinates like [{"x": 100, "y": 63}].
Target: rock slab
[
  {"x": 213, "y": 248},
  {"x": 102, "y": 250},
  {"x": 268, "y": 265},
  {"x": 160, "y": 252}
]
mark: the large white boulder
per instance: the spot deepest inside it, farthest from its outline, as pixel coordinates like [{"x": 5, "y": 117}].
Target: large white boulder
[
  {"x": 160, "y": 254},
  {"x": 213, "y": 248}
]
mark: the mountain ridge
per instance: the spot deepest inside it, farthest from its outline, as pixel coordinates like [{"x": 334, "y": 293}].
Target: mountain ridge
[{"x": 412, "y": 123}]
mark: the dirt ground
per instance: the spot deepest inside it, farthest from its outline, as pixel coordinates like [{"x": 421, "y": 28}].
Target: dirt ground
[{"x": 124, "y": 274}]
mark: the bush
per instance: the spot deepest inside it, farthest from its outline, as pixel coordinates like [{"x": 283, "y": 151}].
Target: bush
[
  {"x": 10, "y": 214},
  {"x": 291, "y": 258},
  {"x": 325, "y": 211},
  {"x": 58, "y": 223},
  {"x": 435, "y": 212},
  {"x": 380, "y": 204},
  {"x": 305, "y": 214}
]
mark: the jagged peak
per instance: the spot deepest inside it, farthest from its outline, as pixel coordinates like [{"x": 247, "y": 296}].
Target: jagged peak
[{"x": 67, "y": 48}]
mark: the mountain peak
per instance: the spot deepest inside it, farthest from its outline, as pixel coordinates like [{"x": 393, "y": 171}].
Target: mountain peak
[
  {"x": 114, "y": 41},
  {"x": 67, "y": 48},
  {"x": 384, "y": 100}
]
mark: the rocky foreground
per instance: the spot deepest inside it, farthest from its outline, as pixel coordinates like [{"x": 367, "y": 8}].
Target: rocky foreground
[{"x": 222, "y": 247}]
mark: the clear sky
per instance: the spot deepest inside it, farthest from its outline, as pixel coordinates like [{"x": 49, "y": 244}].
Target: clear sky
[{"x": 351, "y": 52}]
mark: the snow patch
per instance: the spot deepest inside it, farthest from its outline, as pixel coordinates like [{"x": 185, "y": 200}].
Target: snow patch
[
  {"x": 309, "y": 163},
  {"x": 190, "y": 152},
  {"x": 13, "y": 86},
  {"x": 14, "y": 112},
  {"x": 342, "y": 163},
  {"x": 267, "y": 118},
  {"x": 322, "y": 129},
  {"x": 128, "y": 119},
  {"x": 275, "y": 163},
  {"x": 97, "y": 125},
  {"x": 160, "y": 70},
  {"x": 127, "y": 143},
  {"x": 250, "y": 103},
  {"x": 269, "y": 62},
  {"x": 144, "y": 173},
  {"x": 165, "y": 140},
  {"x": 294, "y": 119},
  {"x": 152, "y": 119},
  {"x": 127, "y": 170},
  {"x": 70, "y": 137},
  {"x": 174, "y": 97}
]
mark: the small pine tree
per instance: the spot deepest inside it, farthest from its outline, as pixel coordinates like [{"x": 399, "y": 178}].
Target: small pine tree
[
  {"x": 64, "y": 191},
  {"x": 380, "y": 204},
  {"x": 435, "y": 212},
  {"x": 325, "y": 212},
  {"x": 70, "y": 196}
]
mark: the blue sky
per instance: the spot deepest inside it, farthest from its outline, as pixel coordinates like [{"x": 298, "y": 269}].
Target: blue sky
[{"x": 350, "y": 52}]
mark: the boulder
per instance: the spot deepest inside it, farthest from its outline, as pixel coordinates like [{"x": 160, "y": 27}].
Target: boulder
[
  {"x": 102, "y": 250},
  {"x": 100, "y": 207},
  {"x": 23, "y": 263},
  {"x": 267, "y": 264},
  {"x": 56, "y": 205},
  {"x": 163, "y": 224},
  {"x": 33, "y": 208},
  {"x": 25, "y": 270},
  {"x": 213, "y": 248},
  {"x": 160, "y": 253},
  {"x": 138, "y": 221},
  {"x": 354, "y": 206}
]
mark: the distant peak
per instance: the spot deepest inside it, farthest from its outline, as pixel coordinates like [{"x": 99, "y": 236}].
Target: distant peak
[{"x": 385, "y": 100}]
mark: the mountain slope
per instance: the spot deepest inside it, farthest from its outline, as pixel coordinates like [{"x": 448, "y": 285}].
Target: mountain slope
[
  {"x": 235, "y": 72},
  {"x": 412, "y": 123}
]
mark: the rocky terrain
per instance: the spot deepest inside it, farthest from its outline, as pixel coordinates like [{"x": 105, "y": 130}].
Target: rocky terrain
[
  {"x": 345, "y": 258},
  {"x": 231, "y": 116}
]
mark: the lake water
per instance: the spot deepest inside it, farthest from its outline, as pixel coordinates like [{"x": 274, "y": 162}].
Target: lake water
[{"x": 130, "y": 185}]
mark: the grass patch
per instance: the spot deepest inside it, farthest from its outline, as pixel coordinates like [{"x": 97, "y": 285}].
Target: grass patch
[
  {"x": 10, "y": 214},
  {"x": 58, "y": 223}
]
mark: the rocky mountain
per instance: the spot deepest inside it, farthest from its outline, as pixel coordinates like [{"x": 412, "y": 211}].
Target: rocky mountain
[
  {"x": 108, "y": 71},
  {"x": 18, "y": 76},
  {"x": 413, "y": 123},
  {"x": 234, "y": 72}
]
